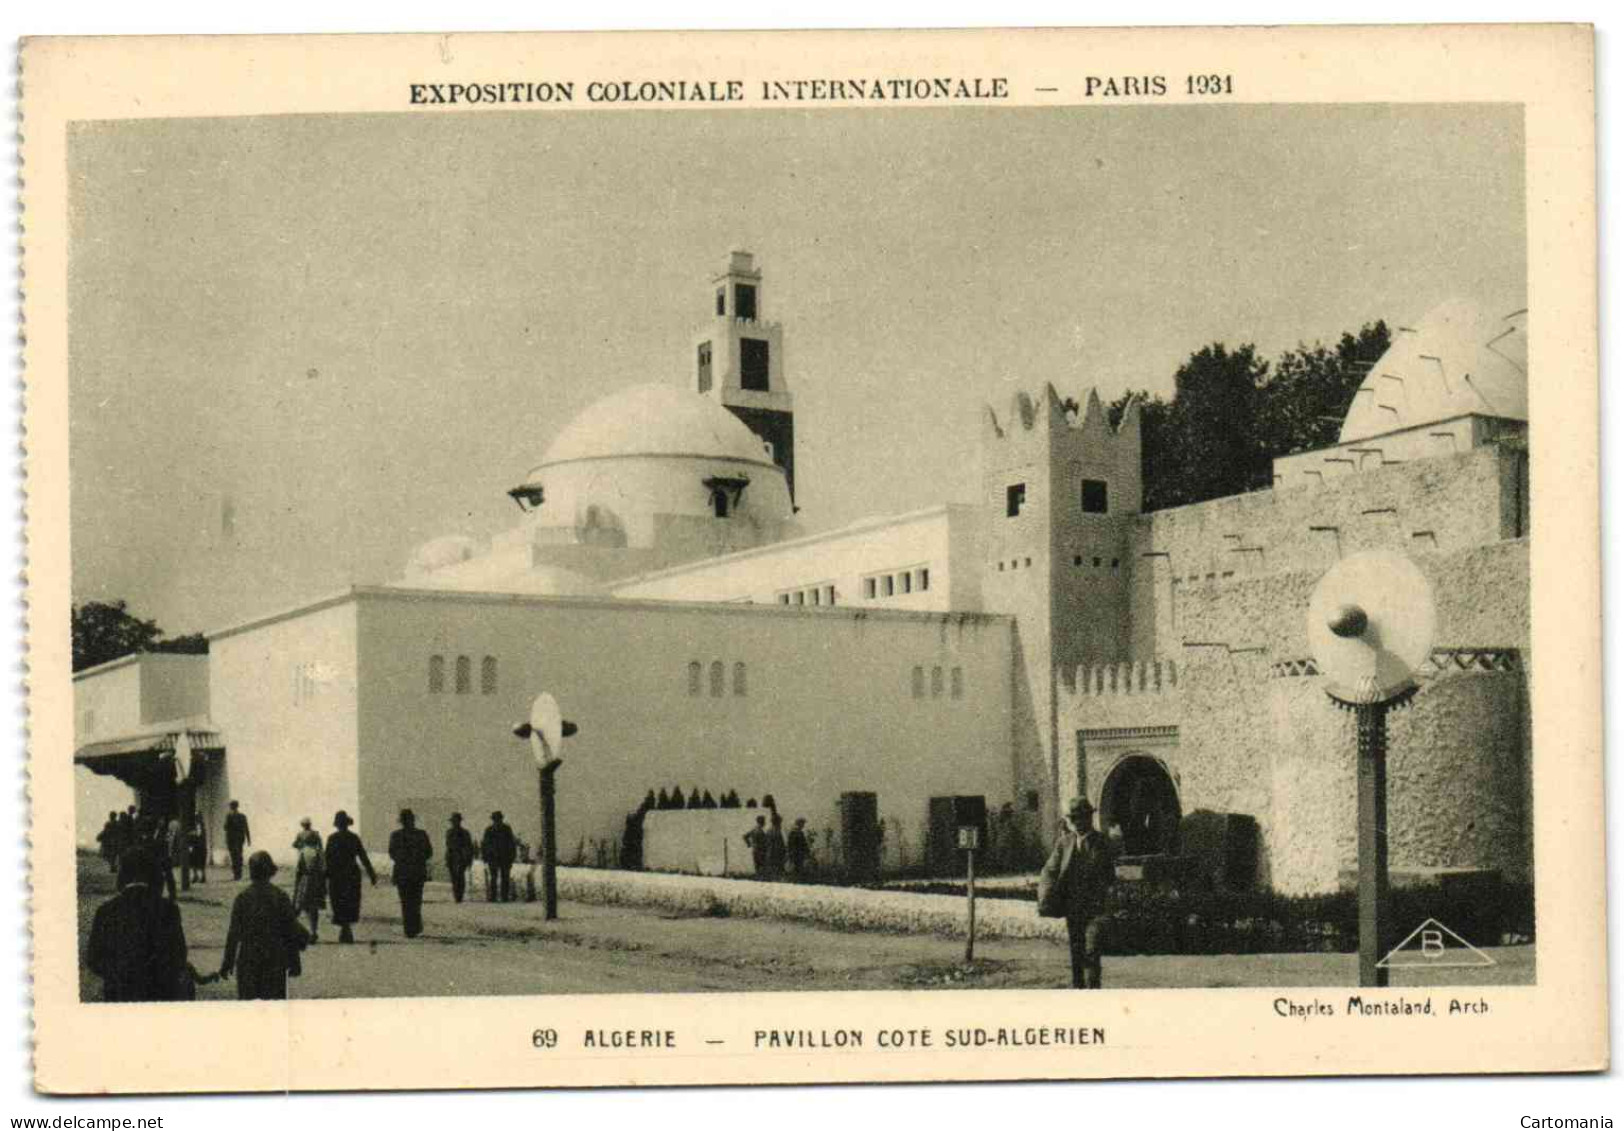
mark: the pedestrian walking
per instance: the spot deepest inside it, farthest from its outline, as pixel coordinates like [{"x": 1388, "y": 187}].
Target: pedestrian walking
[
  {"x": 265, "y": 938},
  {"x": 1073, "y": 885},
  {"x": 171, "y": 841},
  {"x": 459, "y": 856},
  {"x": 776, "y": 848},
  {"x": 346, "y": 858},
  {"x": 798, "y": 849},
  {"x": 310, "y": 882},
  {"x": 137, "y": 945},
  {"x": 498, "y": 848},
  {"x": 197, "y": 850},
  {"x": 237, "y": 835},
  {"x": 410, "y": 850},
  {"x": 756, "y": 838},
  {"x": 108, "y": 840}
]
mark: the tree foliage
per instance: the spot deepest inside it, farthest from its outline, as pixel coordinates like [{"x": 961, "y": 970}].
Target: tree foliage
[
  {"x": 106, "y": 630},
  {"x": 1232, "y": 413}
]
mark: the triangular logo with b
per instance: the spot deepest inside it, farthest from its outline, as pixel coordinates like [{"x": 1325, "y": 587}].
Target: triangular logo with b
[{"x": 1434, "y": 946}]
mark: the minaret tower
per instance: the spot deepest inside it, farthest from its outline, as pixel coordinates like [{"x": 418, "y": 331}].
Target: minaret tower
[{"x": 739, "y": 360}]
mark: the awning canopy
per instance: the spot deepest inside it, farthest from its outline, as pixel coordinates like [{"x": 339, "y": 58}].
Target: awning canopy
[{"x": 141, "y": 753}]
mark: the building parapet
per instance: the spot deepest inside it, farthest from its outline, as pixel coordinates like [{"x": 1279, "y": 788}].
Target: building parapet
[{"x": 1144, "y": 677}]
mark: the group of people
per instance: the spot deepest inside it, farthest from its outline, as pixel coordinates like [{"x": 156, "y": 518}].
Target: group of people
[
  {"x": 772, "y": 853},
  {"x": 174, "y": 843}
]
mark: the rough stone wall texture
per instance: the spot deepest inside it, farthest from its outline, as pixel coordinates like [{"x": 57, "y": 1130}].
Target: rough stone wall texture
[
  {"x": 1183, "y": 556},
  {"x": 1276, "y": 748}
]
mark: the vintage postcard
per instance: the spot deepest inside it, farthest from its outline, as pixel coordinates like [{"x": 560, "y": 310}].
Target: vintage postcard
[{"x": 577, "y": 560}]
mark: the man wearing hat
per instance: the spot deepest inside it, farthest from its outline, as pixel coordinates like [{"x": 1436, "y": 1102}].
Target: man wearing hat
[
  {"x": 265, "y": 937},
  {"x": 459, "y": 855},
  {"x": 410, "y": 849},
  {"x": 498, "y": 849},
  {"x": 137, "y": 946},
  {"x": 1073, "y": 886}
]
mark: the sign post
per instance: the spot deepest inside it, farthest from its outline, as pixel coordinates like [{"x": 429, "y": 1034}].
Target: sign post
[
  {"x": 546, "y": 731},
  {"x": 970, "y": 840},
  {"x": 1370, "y": 623}
]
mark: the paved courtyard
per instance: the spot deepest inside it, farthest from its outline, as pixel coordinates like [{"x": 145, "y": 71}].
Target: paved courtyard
[{"x": 477, "y": 948}]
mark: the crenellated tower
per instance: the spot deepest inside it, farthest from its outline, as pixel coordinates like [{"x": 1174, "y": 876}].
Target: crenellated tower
[
  {"x": 1060, "y": 488},
  {"x": 739, "y": 360}
]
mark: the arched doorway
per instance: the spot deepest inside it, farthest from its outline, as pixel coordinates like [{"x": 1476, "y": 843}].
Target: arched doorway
[{"x": 1140, "y": 799}]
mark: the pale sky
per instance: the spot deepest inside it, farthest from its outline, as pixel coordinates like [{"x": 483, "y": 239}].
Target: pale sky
[{"x": 351, "y": 334}]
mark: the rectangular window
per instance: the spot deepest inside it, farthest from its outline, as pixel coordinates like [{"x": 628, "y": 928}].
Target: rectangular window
[
  {"x": 957, "y": 683},
  {"x": 721, "y": 300},
  {"x": 738, "y": 679},
  {"x": 704, "y": 367},
  {"x": 1094, "y": 496},
  {"x": 800, "y": 598},
  {"x": 935, "y": 683},
  {"x": 753, "y": 365},
  {"x": 436, "y": 675},
  {"x": 817, "y": 596},
  {"x": 783, "y": 598},
  {"x": 487, "y": 676},
  {"x": 888, "y": 585},
  {"x": 744, "y": 302},
  {"x": 465, "y": 675},
  {"x": 868, "y": 588},
  {"x": 907, "y": 582},
  {"x": 924, "y": 578},
  {"x": 828, "y": 594},
  {"x": 694, "y": 677},
  {"x": 1014, "y": 499}
]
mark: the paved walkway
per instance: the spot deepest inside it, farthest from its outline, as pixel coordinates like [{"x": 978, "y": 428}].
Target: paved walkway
[{"x": 476, "y": 948}]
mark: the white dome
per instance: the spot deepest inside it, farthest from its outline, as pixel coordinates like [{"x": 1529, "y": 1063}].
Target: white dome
[
  {"x": 1459, "y": 359},
  {"x": 656, "y": 420},
  {"x": 441, "y": 552}
]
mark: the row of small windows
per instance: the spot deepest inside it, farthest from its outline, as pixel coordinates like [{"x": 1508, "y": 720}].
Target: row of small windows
[
  {"x": 898, "y": 583},
  {"x": 954, "y": 681},
  {"x": 463, "y": 675},
  {"x": 812, "y": 595},
  {"x": 718, "y": 679},
  {"x": 1094, "y": 497},
  {"x": 1076, "y": 560}
]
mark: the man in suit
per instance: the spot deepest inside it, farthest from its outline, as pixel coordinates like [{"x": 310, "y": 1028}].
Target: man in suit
[
  {"x": 498, "y": 849},
  {"x": 459, "y": 855},
  {"x": 1073, "y": 885},
  {"x": 236, "y": 837},
  {"x": 137, "y": 946},
  {"x": 410, "y": 849}
]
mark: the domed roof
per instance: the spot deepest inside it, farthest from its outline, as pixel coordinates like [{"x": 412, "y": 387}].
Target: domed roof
[
  {"x": 447, "y": 550},
  {"x": 656, "y": 420},
  {"x": 1459, "y": 359}
]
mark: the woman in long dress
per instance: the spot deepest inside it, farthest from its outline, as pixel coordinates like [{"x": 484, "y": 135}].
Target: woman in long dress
[
  {"x": 346, "y": 858},
  {"x": 310, "y": 881}
]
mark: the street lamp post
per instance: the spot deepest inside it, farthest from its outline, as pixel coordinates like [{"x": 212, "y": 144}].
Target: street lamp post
[{"x": 546, "y": 730}]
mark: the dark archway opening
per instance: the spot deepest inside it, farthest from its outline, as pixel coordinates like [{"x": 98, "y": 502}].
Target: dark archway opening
[{"x": 1140, "y": 802}]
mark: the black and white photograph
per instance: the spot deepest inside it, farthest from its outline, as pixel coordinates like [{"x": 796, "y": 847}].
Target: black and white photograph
[{"x": 584, "y": 537}]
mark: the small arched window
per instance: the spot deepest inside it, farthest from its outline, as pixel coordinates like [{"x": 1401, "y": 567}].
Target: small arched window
[
  {"x": 694, "y": 669},
  {"x": 935, "y": 683},
  {"x": 465, "y": 675},
  {"x": 738, "y": 679},
  {"x": 956, "y": 683},
  {"x": 487, "y": 676},
  {"x": 717, "y": 677},
  {"x": 436, "y": 675}
]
